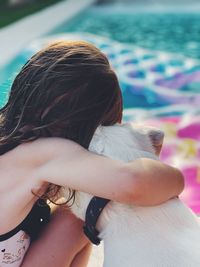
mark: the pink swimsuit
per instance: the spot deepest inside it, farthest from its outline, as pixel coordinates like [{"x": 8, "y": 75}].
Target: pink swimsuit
[
  {"x": 13, "y": 249},
  {"x": 15, "y": 243}
]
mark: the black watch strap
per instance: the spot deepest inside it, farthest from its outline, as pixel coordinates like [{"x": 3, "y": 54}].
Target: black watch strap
[{"x": 94, "y": 209}]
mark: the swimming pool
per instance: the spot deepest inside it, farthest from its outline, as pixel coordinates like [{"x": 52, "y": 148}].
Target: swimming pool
[
  {"x": 157, "y": 59},
  {"x": 172, "y": 32}
]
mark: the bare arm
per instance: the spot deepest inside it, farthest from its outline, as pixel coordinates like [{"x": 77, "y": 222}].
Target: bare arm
[
  {"x": 158, "y": 182},
  {"x": 142, "y": 182}
]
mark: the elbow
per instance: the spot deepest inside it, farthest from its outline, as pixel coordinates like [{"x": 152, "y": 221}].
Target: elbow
[
  {"x": 139, "y": 193},
  {"x": 180, "y": 181}
]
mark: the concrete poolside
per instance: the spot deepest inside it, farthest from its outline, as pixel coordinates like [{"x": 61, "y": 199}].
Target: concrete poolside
[{"x": 18, "y": 35}]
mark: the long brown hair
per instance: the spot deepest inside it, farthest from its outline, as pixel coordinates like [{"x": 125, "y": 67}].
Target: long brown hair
[{"x": 66, "y": 90}]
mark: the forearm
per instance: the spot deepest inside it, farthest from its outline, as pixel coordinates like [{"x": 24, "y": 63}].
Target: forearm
[{"x": 156, "y": 182}]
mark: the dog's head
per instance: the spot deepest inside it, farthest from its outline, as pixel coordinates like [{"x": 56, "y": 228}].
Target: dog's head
[{"x": 127, "y": 141}]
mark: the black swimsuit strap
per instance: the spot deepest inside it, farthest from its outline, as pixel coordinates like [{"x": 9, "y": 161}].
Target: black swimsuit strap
[
  {"x": 12, "y": 232},
  {"x": 34, "y": 222},
  {"x": 94, "y": 209}
]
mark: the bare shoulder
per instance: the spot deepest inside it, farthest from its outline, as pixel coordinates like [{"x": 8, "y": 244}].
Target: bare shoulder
[{"x": 45, "y": 149}]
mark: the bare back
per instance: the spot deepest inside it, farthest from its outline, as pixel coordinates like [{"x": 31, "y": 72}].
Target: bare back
[
  {"x": 18, "y": 176},
  {"x": 16, "y": 167}
]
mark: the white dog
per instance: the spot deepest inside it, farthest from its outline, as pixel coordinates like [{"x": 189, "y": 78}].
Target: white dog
[{"x": 166, "y": 235}]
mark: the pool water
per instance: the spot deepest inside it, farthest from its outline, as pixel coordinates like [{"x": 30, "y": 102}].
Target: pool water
[
  {"x": 172, "y": 32},
  {"x": 157, "y": 59}
]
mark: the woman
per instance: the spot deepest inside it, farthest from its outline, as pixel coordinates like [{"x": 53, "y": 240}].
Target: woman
[{"x": 56, "y": 103}]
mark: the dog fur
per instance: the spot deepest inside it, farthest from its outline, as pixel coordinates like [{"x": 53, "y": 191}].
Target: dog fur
[{"x": 167, "y": 235}]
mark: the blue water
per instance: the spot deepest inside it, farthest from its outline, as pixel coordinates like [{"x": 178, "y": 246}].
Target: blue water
[{"x": 173, "y": 32}]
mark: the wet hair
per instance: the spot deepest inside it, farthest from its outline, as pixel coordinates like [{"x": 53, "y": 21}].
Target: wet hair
[{"x": 65, "y": 90}]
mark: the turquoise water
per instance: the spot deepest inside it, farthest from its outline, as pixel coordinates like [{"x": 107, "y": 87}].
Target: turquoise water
[{"x": 173, "y": 32}]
